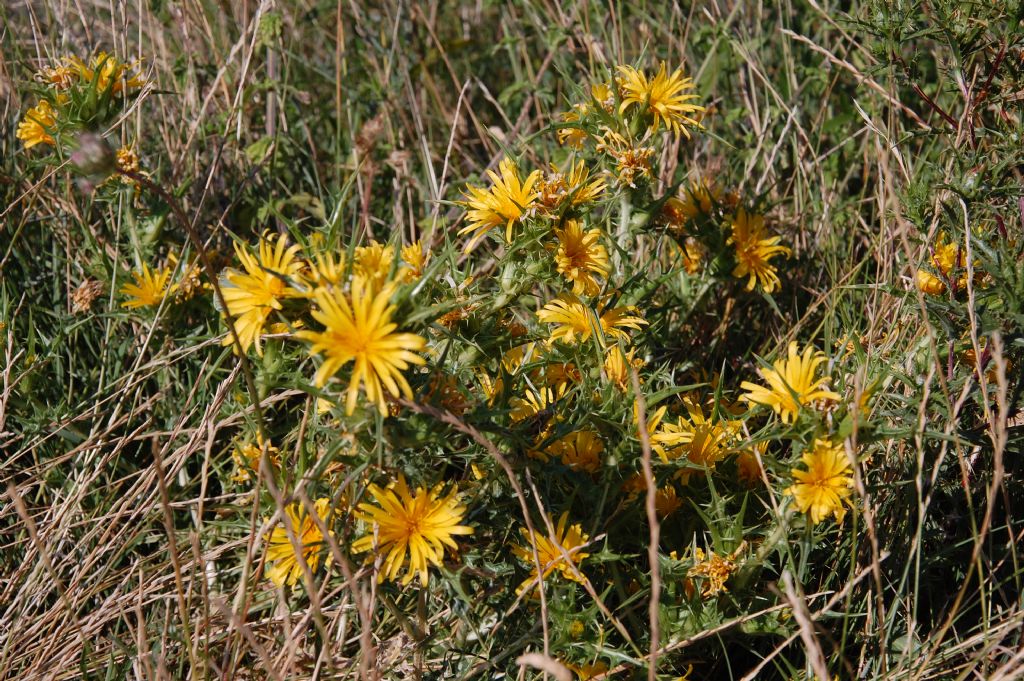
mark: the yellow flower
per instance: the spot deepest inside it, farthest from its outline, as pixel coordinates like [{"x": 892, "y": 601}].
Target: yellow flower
[
  {"x": 663, "y": 97},
  {"x": 286, "y": 568},
  {"x": 60, "y": 76},
  {"x": 359, "y": 328},
  {"x": 558, "y": 186},
  {"x": 415, "y": 259},
  {"x": 327, "y": 269},
  {"x": 618, "y": 366},
  {"x": 420, "y": 524},
  {"x": 572, "y": 135},
  {"x": 373, "y": 263},
  {"x": 748, "y": 470},
  {"x": 585, "y": 672},
  {"x": 247, "y": 459},
  {"x": 108, "y": 72},
  {"x": 822, "y": 489},
  {"x": 580, "y": 450},
  {"x": 149, "y": 288},
  {"x": 569, "y": 539},
  {"x": 580, "y": 256},
  {"x": 252, "y": 296},
  {"x": 696, "y": 200},
  {"x": 36, "y": 125},
  {"x": 666, "y": 501},
  {"x": 930, "y": 284},
  {"x": 573, "y": 317},
  {"x": 507, "y": 201},
  {"x": 631, "y": 161},
  {"x": 703, "y": 441},
  {"x": 754, "y": 251},
  {"x": 713, "y": 569},
  {"x": 535, "y": 402},
  {"x": 791, "y": 383}
]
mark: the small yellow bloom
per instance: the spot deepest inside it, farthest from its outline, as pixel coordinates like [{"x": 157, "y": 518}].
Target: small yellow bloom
[
  {"x": 254, "y": 294},
  {"x": 247, "y": 459},
  {"x": 754, "y": 251},
  {"x": 792, "y": 383},
  {"x": 60, "y": 76},
  {"x": 704, "y": 441},
  {"x": 930, "y": 284},
  {"x": 826, "y": 485},
  {"x": 108, "y": 72},
  {"x": 415, "y": 258},
  {"x": 373, "y": 263},
  {"x": 568, "y": 539},
  {"x": 37, "y": 124},
  {"x": 697, "y": 199},
  {"x": 666, "y": 500},
  {"x": 580, "y": 450},
  {"x": 618, "y": 367},
  {"x": 713, "y": 569},
  {"x": 359, "y": 329},
  {"x": 580, "y": 257},
  {"x": 632, "y": 161},
  {"x": 508, "y": 201},
  {"x": 572, "y": 187},
  {"x": 663, "y": 97},
  {"x": 149, "y": 288},
  {"x": 571, "y": 135},
  {"x": 574, "y": 317},
  {"x": 585, "y": 672},
  {"x": 280, "y": 551},
  {"x": 421, "y": 524}
]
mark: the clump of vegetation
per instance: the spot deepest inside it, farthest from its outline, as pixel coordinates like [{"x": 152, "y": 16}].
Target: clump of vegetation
[{"x": 512, "y": 341}]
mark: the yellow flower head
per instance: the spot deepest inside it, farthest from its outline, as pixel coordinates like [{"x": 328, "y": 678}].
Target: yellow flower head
[
  {"x": 536, "y": 402},
  {"x": 580, "y": 450},
  {"x": 574, "y": 317},
  {"x": 618, "y": 366},
  {"x": 373, "y": 263},
  {"x": 415, "y": 259},
  {"x": 585, "y": 672},
  {"x": 580, "y": 257},
  {"x": 573, "y": 136},
  {"x": 792, "y": 383},
  {"x": 631, "y": 161},
  {"x": 247, "y": 459},
  {"x": 754, "y": 251},
  {"x": 574, "y": 186},
  {"x": 930, "y": 284},
  {"x": 61, "y": 76},
  {"x": 666, "y": 500},
  {"x": 108, "y": 72},
  {"x": 359, "y": 328},
  {"x": 696, "y": 200},
  {"x": 664, "y": 97},
  {"x": 713, "y": 569},
  {"x": 508, "y": 201},
  {"x": 704, "y": 441},
  {"x": 748, "y": 470},
  {"x": 568, "y": 539},
  {"x": 252, "y": 295},
  {"x": 36, "y": 125},
  {"x": 280, "y": 551},
  {"x": 826, "y": 485},
  {"x": 420, "y": 524},
  {"x": 149, "y": 288}
]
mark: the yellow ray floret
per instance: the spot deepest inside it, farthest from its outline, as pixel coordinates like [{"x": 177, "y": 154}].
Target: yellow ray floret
[
  {"x": 252, "y": 295},
  {"x": 413, "y": 528},
  {"x": 792, "y": 383},
  {"x": 573, "y": 318},
  {"x": 358, "y": 328},
  {"x": 754, "y": 251},
  {"x": 149, "y": 289},
  {"x": 37, "y": 124},
  {"x": 282, "y": 553},
  {"x": 664, "y": 97},
  {"x": 581, "y": 257},
  {"x": 562, "y": 552},
  {"x": 826, "y": 485},
  {"x": 508, "y": 201}
]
